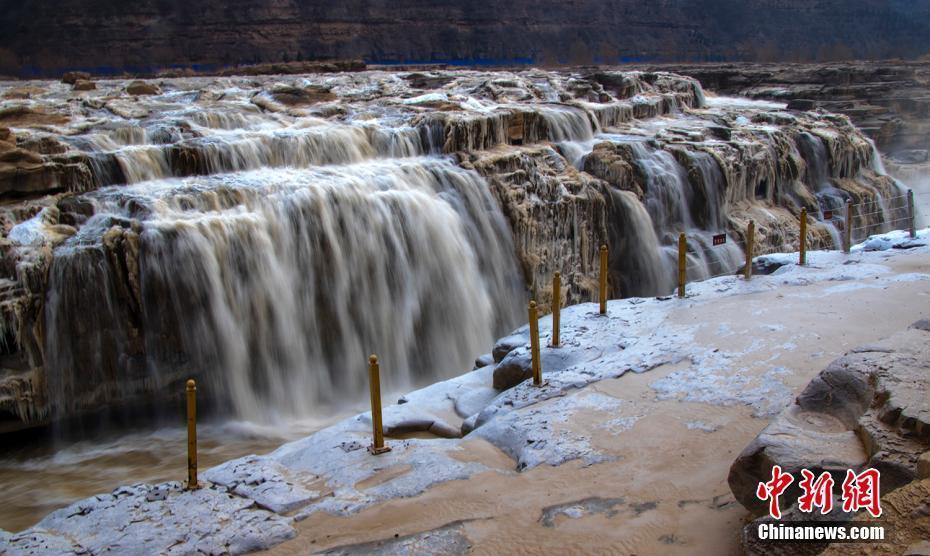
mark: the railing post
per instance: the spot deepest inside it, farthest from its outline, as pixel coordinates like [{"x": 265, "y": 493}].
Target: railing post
[
  {"x": 682, "y": 263},
  {"x": 803, "y": 258},
  {"x": 192, "y": 483},
  {"x": 534, "y": 345},
  {"x": 750, "y": 245},
  {"x": 603, "y": 280},
  {"x": 374, "y": 380},
  {"x": 556, "y": 307},
  {"x": 847, "y": 231},
  {"x": 910, "y": 212}
]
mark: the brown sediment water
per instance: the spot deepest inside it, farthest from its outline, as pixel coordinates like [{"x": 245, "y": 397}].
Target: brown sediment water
[
  {"x": 273, "y": 232},
  {"x": 665, "y": 489},
  {"x": 37, "y": 480}
]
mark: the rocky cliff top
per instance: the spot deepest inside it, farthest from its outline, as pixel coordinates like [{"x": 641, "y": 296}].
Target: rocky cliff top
[{"x": 44, "y": 38}]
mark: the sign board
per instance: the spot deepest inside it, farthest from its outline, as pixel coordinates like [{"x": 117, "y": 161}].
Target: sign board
[
  {"x": 720, "y": 239},
  {"x": 828, "y": 215}
]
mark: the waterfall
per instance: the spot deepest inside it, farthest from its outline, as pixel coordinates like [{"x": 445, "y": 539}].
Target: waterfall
[
  {"x": 817, "y": 178},
  {"x": 571, "y": 129},
  {"x": 674, "y": 202},
  {"x": 305, "y": 143},
  {"x": 274, "y": 286}
]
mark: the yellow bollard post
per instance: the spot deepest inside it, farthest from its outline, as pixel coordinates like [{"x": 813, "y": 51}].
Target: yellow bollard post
[
  {"x": 603, "y": 281},
  {"x": 556, "y": 307},
  {"x": 192, "y": 483},
  {"x": 847, "y": 229},
  {"x": 910, "y": 212},
  {"x": 534, "y": 345},
  {"x": 750, "y": 245},
  {"x": 803, "y": 258},
  {"x": 374, "y": 381},
  {"x": 682, "y": 263}
]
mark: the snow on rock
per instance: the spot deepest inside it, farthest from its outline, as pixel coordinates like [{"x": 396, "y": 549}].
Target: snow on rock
[
  {"x": 332, "y": 471},
  {"x": 339, "y": 456},
  {"x": 265, "y": 481},
  {"x": 37, "y": 541},
  {"x": 702, "y": 426},
  {"x": 530, "y": 436},
  {"x": 898, "y": 239},
  {"x": 709, "y": 380},
  {"x": 527, "y": 435},
  {"x": 165, "y": 519}
]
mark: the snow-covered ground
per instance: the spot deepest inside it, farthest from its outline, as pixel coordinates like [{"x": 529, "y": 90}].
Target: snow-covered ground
[{"x": 259, "y": 501}]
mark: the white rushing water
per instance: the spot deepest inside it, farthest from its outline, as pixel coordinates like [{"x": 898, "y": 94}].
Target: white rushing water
[
  {"x": 274, "y": 286},
  {"x": 265, "y": 235}
]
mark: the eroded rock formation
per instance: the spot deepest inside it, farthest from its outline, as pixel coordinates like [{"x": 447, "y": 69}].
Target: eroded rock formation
[
  {"x": 888, "y": 101},
  {"x": 868, "y": 409},
  {"x": 233, "y": 228}
]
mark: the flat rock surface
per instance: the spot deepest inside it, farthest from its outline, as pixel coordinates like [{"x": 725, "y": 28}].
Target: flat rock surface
[
  {"x": 146, "y": 519},
  {"x": 867, "y": 409}
]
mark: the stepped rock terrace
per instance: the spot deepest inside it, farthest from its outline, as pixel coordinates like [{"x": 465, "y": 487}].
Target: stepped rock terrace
[{"x": 264, "y": 234}]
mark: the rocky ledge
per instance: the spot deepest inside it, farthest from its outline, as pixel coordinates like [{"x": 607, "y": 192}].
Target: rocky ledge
[
  {"x": 868, "y": 409},
  {"x": 887, "y": 100},
  {"x": 574, "y": 159}
]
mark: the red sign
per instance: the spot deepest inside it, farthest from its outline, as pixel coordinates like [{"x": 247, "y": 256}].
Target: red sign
[
  {"x": 828, "y": 215},
  {"x": 720, "y": 239}
]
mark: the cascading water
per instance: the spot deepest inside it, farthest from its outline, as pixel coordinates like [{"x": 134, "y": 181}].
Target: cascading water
[
  {"x": 831, "y": 199},
  {"x": 305, "y": 143},
  {"x": 266, "y": 234},
  {"x": 645, "y": 231},
  {"x": 572, "y": 130},
  {"x": 676, "y": 205},
  {"x": 274, "y": 286}
]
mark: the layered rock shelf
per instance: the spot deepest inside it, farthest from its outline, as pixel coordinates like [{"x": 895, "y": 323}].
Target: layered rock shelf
[
  {"x": 888, "y": 101},
  {"x": 139, "y": 219}
]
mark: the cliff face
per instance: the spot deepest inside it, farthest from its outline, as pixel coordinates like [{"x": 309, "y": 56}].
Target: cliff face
[{"x": 108, "y": 35}]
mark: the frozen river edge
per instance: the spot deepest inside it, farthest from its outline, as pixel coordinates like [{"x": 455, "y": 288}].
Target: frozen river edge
[{"x": 252, "y": 503}]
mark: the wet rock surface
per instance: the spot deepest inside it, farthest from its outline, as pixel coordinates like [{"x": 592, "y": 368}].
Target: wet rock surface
[
  {"x": 886, "y": 100},
  {"x": 147, "y": 519},
  {"x": 103, "y": 183},
  {"x": 866, "y": 410}
]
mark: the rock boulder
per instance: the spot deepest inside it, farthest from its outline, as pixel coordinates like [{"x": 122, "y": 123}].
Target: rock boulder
[
  {"x": 868, "y": 409},
  {"x": 72, "y": 77},
  {"x": 84, "y": 85},
  {"x": 142, "y": 88}
]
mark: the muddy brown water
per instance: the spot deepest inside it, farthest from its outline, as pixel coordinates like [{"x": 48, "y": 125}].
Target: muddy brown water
[{"x": 45, "y": 476}]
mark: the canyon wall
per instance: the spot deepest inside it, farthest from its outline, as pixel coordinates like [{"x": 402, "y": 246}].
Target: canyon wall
[{"x": 52, "y": 36}]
